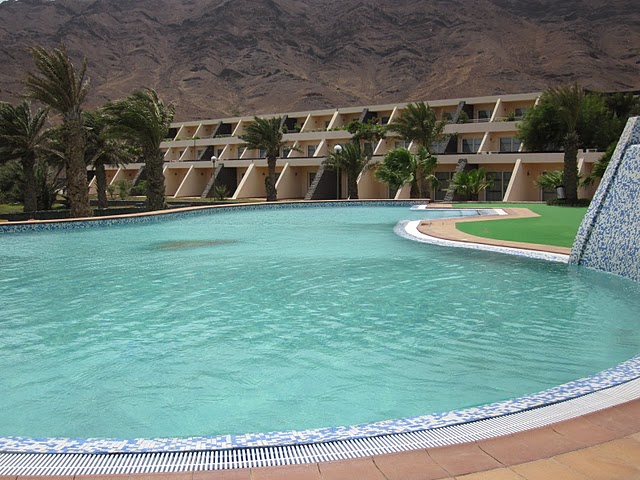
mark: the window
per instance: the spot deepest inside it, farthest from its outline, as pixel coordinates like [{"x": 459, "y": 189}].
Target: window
[
  {"x": 509, "y": 144},
  {"x": 496, "y": 192},
  {"x": 311, "y": 178},
  {"x": 438, "y": 147},
  {"x": 471, "y": 145},
  {"x": 384, "y": 120},
  {"x": 403, "y": 144},
  {"x": 484, "y": 115},
  {"x": 311, "y": 150},
  {"x": 285, "y": 151},
  {"x": 262, "y": 153},
  {"x": 219, "y": 154},
  {"x": 447, "y": 117},
  {"x": 520, "y": 113}
]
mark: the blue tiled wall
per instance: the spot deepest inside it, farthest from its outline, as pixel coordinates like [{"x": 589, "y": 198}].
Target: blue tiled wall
[{"x": 609, "y": 236}]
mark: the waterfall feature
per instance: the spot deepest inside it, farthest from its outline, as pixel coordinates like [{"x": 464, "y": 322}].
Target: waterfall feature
[{"x": 609, "y": 236}]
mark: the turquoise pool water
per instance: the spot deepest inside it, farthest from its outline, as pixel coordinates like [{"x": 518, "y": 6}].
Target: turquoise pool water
[{"x": 248, "y": 321}]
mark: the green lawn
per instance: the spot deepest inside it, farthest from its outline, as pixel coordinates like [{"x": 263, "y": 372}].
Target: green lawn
[
  {"x": 10, "y": 208},
  {"x": 555, "y": 225}
]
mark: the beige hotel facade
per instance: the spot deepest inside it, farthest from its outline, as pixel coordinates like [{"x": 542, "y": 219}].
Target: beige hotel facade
[{"x": 199, "y": 152}]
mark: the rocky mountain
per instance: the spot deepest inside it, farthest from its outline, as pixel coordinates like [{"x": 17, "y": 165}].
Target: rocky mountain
[{"x": 230, "y": 57}]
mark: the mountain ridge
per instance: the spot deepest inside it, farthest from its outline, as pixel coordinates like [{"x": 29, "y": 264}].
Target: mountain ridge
[{"x": 220, "y": 57}]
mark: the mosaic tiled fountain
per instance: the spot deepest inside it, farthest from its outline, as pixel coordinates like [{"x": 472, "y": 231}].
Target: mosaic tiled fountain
[{"x": 609, "y": 236}]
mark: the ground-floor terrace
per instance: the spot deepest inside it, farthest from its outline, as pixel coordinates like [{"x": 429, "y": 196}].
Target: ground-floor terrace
[{"x": 306, "y": 178}]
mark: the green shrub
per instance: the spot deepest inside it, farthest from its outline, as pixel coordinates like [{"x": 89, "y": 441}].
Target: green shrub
[
  {"x": 562, "y": 202},
  {"x": 124, "y": 188},
  {"x": 220, "y": 192}
]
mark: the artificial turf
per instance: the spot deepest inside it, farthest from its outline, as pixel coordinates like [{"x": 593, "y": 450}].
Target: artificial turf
[{"x": 555, "y": 225}]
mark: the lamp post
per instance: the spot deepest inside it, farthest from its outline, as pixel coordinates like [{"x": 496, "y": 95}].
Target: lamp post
[
  {"x": 213, "y": 174},
  {"x": 337, "y": 150}
]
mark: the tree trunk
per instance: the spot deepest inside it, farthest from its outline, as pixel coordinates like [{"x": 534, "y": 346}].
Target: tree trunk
[
  {"x": 101, "y": 185},
  {"x": 570, "y": 175},
  {"x": 270, "y": 181},
  {"x": 418, "y": 180},
  {"x": 414, "y": 190},
  {"x": 76, "y": 170},
  {"x": 30, "y": 189},
  {"x": 352, "y": 182},
  {"x": 155, "y": 177}
]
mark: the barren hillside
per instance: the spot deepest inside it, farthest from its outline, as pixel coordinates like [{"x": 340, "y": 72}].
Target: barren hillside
[{"x": 224, "y": 57}]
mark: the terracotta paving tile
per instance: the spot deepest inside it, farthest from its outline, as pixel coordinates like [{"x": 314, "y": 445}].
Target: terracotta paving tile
[
  {"x": 547, "y": 442},
  {"x": 463, "y": 459},
  {"x": 42, "y": 477},
  {"x": 46, "y": 477},
  {"x": 10, "y": 477},
  {"x": 293, "y": 472},
  {"x": 360, "y": 469},
  {"x": 547, "y": 470},
  {"x": 636, "y": 436},
  {"x": 584, "y": 432},
  {"x": 509, "y": 450},
  {"x": 162, "y": 476},
  {"x": 238, "y": 474},
  {"x": 413, "y": 465},
  {"x": 624, "y": 449},
  {"x": 498, "y": 474},
  {"x": 630, "y": 408},
  {"x": 100, "y": 477},
  {"x": 598, "y": 467},
  {"x": 621, "y": 421}
]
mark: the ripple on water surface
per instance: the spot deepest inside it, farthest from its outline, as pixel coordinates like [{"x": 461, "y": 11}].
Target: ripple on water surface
[{"x": 284, "y": 319}]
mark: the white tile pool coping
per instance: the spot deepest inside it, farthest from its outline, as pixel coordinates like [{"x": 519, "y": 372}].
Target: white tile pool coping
[{"x": 602, "y": 390}]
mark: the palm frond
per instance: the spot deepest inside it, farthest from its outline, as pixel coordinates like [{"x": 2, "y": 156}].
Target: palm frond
[
  {"x": 141, "y": 118},
  {"x": 57, "y": 83},
  {"x": 265, "y": 134},
  {"x": 418, "y": 123}
]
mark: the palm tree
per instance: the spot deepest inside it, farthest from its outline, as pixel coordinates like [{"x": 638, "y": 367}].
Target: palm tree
[
  {"x": 144, "y": 119},
  {"x": 471, "y": 182},
  {"x": 396, "y": 168},
  {"x": 59, "y": 85},
  {"x": 549, "y": 180},
  {"x": 568, "y": 101},
  {"x": 266, "y": 134},
  {"x": 353, "y": 160},
  {"x": 418, "y": 123},
  {"x": 400, "y": 166},
  {"x": 103, "y": 149},
  {"x": 23, "y": 137},
  {"x": 557, "y": 122}
]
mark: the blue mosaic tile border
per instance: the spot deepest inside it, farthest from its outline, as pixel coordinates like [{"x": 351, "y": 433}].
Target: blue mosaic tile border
[
  {"x": 624, "y": 372},
  {"x": 97, "y": 222}
]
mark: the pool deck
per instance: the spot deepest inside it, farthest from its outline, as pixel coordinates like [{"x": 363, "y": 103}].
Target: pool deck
[
  {"x": 446, "y": 229},
  {"x": 600, "y": 445}
]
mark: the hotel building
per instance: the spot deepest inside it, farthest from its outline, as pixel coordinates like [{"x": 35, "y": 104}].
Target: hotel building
[{"x": 482, "y": 132}]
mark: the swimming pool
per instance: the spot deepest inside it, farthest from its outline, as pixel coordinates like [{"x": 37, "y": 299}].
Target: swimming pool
[{"x": 257, "y": 320}]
